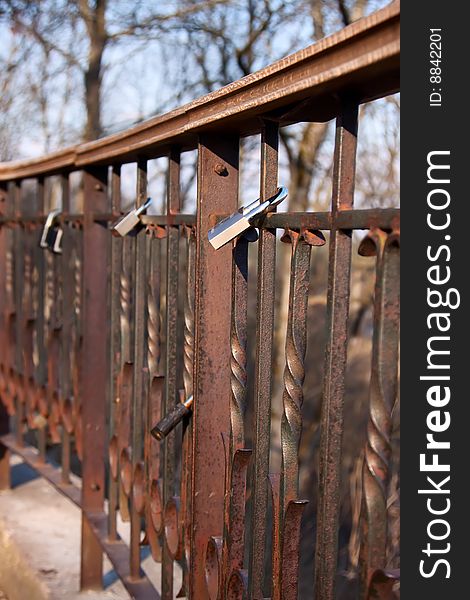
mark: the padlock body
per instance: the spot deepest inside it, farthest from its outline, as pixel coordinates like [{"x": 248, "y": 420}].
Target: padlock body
[
  {"x": 126, "y": 224},
  {"x": 228, "y": 229},
  {"x": 51, "y": 237}
]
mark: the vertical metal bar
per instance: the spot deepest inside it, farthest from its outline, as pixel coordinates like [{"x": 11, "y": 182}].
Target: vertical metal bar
[
  {"x": 263, "y": 373},
  {"x": 217, "y": 193},
  {"x": 4, "y": 419},
  {"x": 173, "y": 207},
  {"x": 5, "y": 481},
  {"x": 188, "y": 362},
  {"x": 54, "y": 308},
  {"x": 237, "y": 457},
  {"x": 94, "y": 369},
  {"x": 66, "y": 329},
  {"x": 140, "y": 386},
  {"x": 126, "y": 302},
  {"x": 28, "y": 315},
  {"x": 383, "y": 394},
  {"x": 114, "y": 349},
  {"x": 294, "y": 371},
  {"x": 78, "y": 338},
  {"x": 154, "y": 404},
  {"x": 3, "y": 283},
  {"x": 291, "y": 423},
  {"x": 18, "y": 292},
  {"x": 41, "y": 368},
  {"x": 335, "y": 357},
  {"x": 238, "y": 343},
  {"x": 153, "y": 310}
]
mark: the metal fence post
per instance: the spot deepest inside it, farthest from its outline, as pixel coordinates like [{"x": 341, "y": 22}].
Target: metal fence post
[
  {"x": 96, "y": 242},
  {"x": 217, "y": 193}
]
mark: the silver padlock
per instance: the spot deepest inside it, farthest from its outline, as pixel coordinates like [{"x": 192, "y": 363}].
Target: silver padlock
[
  {"x": 128, "y": 222},
  {"x": 51, "y": 237},
  {"x": 231, "y": 227}
]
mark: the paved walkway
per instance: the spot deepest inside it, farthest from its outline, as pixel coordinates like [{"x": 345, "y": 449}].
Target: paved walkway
[{"x": 40, "y": 544}]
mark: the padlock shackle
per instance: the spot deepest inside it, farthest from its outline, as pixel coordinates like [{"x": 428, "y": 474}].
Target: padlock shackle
[
  {"x": 278, "y": 197},
  {"x": 144, "y": 206},
  {"x": 130, "y": 221},
  {"x": 234, "y": 225}
]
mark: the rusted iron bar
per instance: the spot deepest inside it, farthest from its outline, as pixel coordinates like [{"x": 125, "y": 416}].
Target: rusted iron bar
[
  {"x": 226, "y": 553},
  {"x": 94, "y": 370},
  {"x": 383, "y": 394},
  {"x": 170, "y": 397},
  {"x": 233, "y": 542},
  {"x": 335, "y": 357},
  {"x": 140, "y": 381},
  {"x": 9, "y": 312},
  {"x": 41, "y": 368},
  {"x": 28, "y": 318},
  {"x": 18, "y": 250},
  {"x": 154, "y": 405},
  {"x": 33, "y": 258},
  {"x": 5, "y": 480},
  {"x": 188, "y": 366},
  {"x": 4, "y": 418},
  {"x": 385, "y": 218},
  {"x": 291, "y": 509},
  {"x": 104, "y": 218},
  {"x": 263, "y": 367},
  {"x": 53, "y": 309},
  {"x": 120, "y": 448},
  {"x": 238, "y": 343},
  {"x": 67, "y": 294},
  {"x": 114, "y": 351},
  {"x": 77, "y": 345},
  {"x": 294, "y": 372},
  {"x": 211, "y": 409}
]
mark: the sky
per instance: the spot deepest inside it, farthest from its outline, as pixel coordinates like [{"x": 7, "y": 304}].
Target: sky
[
  {"x": 140, "y": 81},
  {"x": 140, "y": 77}
]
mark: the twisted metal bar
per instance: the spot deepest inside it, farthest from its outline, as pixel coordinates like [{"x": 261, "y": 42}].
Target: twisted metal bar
[
  {"x": 153, "y": 313},
  {"x": 294, "y": 372},
  {"x": 238, "y": 374},
  {"x": 188, "y": 348},
  {"x": 9, "y": 277},
  {"x": 383, "y": 391},
  {"x": 186, "y": 453},
  {"x": 77, "y": 279},
  {"x": 35, "y": 289},
  {"x": 49, "y": 295},
  {"x": 77, "y": 300},
  {"x": 126, "y": 302},
  {"x": 27, "y": 283}
]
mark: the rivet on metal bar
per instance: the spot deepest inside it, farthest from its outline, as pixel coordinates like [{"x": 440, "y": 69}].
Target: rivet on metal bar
[
  {"x": 129, "y": 222},
  {"x": 171, "y": 420},
  {"x": 231, "y": 227},
  {"x": 52, "y": 235}
]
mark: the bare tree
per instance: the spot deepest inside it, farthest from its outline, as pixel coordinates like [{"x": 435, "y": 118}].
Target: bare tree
[{"x": 78, "y": 32}]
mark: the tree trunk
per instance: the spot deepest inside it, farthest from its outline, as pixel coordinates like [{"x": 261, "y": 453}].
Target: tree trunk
[{"x": 96, "y": 28}]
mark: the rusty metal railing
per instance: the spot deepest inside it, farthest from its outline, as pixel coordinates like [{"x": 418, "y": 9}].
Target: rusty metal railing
[{"x": 95, "y": 348}]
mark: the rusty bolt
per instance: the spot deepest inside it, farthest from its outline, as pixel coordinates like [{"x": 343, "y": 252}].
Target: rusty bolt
[
  {"x": 221, "y": 170},
  {"x": 98, "y": 187},
  {"x": 94, "y": 487}
]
